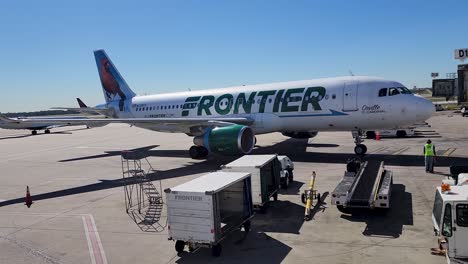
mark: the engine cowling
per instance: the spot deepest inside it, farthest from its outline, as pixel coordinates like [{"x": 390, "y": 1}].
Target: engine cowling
[
  {"x": 300, "y": 134},
  {"x": 228, "y": 140}
]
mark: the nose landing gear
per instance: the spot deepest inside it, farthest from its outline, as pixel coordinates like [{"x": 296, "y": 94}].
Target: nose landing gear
[{"x": 360, "y": 149}]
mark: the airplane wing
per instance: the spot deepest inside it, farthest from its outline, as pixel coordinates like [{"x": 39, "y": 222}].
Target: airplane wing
[
  {"x": 185, "y": 125},
  {"x": 91, "y": 110}
]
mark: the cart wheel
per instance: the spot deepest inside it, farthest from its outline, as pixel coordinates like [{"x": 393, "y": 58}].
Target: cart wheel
[
  {"x": 247, "y": 225},
  {"x": 303, "y": 198},
  {"x": 179, "y": 246},
  {"x": 319, "y": 198},
  {"x": 275, "y": 197},
  {"x": 216, "y": 250},
  {"x": 291, "y": 175},
  {"x": 285, "y": 183}
]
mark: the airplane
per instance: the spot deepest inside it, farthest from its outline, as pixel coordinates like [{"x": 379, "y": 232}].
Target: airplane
[
  {"x": 41, "y": 123},
  {"x": 226, "y": 120}
]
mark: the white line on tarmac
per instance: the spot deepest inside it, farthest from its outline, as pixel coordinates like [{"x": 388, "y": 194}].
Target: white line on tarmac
[{"x": 96, "y": 251}]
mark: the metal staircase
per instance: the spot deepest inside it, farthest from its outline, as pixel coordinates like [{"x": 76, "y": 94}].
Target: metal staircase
[{"x": 143, "y": 200}]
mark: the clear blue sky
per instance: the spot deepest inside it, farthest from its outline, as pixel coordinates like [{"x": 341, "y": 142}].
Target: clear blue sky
[{"x": 46, "y": 47}]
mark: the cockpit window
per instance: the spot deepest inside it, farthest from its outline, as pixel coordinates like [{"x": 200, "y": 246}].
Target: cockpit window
[
  {"x": 383, "y": 92},
  {"x": 393, "y": 91},
  {"x": 404, "y": 90}
]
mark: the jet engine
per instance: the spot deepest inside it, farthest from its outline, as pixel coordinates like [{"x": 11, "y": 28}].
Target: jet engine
[
  {"x": 300, "y": 134},
  {"x": 228, "y": 140}
]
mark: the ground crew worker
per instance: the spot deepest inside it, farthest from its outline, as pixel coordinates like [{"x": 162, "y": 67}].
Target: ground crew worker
[{"x": 429, "y": 155}]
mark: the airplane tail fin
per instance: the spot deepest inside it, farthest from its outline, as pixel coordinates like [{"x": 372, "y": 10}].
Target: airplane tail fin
[
  {"x": 5, "y": 119},
  {"x": 81, "y": 104},
  {"x": 114, "y": 86}
]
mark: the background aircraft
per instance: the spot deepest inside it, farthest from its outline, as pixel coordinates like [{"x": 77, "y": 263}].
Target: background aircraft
[{"x": 40, "y": 123}]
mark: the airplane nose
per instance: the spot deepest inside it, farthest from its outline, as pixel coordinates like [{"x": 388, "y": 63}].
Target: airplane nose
[{"x": 424, "y": 109}]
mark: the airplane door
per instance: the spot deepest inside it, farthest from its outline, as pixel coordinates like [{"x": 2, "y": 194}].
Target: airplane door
[{"x": 350, "y": 93}]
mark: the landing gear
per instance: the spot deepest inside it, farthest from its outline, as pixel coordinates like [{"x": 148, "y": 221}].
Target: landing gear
[
  {"x": 197, "y": 152},
  {"x": 47, "y": 131},
  {"x": 360, "y": 148},
  {"x": 34, "y": 132}
]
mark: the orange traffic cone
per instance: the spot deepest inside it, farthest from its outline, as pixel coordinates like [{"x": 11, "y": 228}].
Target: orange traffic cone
[
  {"x": 377, "y": 135},
  {"x": 28, "y": 198}
]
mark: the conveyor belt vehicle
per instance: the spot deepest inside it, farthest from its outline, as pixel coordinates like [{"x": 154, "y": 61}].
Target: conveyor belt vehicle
[{"x": 364, "y": 185}]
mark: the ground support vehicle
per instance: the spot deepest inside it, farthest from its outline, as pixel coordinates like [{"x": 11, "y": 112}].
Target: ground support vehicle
[
  {"x": 202, "y": 212},
  {"x": 364, "y": 185},
  {"x": 450, "y": 218},
  {"x": 287, "y": 168},
  {"x": 265, "y": 171}
]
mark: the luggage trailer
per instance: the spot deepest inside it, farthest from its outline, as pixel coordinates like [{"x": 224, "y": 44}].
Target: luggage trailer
[
  {"x": 203, "y": 211},
  {"x": 364, "y": 185}
]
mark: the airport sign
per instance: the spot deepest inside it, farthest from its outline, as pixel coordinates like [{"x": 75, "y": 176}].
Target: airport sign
[{"x": 461, "y": 54}]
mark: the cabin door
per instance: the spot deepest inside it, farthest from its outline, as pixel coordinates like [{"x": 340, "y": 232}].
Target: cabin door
[{"x": 350, "y": 96}]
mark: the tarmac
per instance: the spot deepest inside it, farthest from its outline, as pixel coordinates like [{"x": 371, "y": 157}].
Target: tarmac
[{"x": 78, "y": 215}]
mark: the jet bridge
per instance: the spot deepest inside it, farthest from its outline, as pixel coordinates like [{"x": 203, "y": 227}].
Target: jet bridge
[{"x": 364, "y": 185}]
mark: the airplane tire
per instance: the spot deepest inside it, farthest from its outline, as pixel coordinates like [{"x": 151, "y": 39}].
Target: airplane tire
[
  {"x": 34, "y": 132},
  {"x": 47, "y": 131},
  {"x": 194, "y": 152},
  {"x": 360, "y": 149},
  {"x": 370, "y": 134},
  {"x": 401, "y": 133},
  {"x": 203, "y": 152}
]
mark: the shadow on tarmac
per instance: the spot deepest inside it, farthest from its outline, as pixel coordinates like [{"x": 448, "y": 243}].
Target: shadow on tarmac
[
  {"x": 188, "y": 169},
  {"x": 387, "y": 223},
  {"x": 296, "y": 150},
  {"x": 260, "y": 248},
  {"x": 64, "y": 132}
]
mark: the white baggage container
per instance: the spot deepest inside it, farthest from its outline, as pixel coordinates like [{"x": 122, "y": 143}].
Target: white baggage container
[
  {"x": 265, "y": 170},
  {"x": 203, "y": 211}
]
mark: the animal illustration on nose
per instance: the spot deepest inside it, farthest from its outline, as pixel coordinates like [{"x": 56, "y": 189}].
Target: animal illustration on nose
[{"x": 110, "y": 84}]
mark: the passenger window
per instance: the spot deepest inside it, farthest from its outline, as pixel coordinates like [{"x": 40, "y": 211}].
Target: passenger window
[
  {"x": 383, "y": 92},
  {"x": 393, "y": 91},
  {"x": 462, "y": 215},
  {"x": 447, "y": 223}
]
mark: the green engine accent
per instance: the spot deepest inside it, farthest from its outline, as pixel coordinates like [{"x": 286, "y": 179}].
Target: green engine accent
[{"x": 226, "y": 140}]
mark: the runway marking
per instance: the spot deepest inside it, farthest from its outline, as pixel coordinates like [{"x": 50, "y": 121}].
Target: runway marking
[
  {"x": 379, "y": 149},
  {"x": 96, "y": 251},
  {"x": 400, "y": 151},
  {"x": 449, "y": 152}
]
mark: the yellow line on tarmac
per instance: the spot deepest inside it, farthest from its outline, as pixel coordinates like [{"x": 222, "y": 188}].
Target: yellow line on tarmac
[
  {"x": 449, "y": 152},
  {"x": 398, "y": 152}
]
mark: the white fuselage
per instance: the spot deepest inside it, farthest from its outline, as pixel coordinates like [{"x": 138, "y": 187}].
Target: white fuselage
[{"x": 331, "y": 104}]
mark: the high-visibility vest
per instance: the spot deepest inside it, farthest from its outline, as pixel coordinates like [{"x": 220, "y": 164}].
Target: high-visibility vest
[{"x": 428, "y": 150}]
